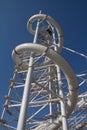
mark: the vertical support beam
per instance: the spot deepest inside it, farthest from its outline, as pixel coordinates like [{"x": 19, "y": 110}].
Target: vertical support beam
[
  {"x": 63, "y": 110},
  {"x": 25, "y": 98},
  {"x": 50, "y": 96},
  {"x": 62, "y": 102}
]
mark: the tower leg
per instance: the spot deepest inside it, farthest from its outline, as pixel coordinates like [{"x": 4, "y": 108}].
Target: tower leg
[
  {"x": 62, "y": 101},
  {"x": 63, "y": 111},
  {"x": 25, "y": 99}
]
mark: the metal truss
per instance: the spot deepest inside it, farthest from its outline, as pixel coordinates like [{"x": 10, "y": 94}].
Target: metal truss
[{"x": 48, "y": 84}]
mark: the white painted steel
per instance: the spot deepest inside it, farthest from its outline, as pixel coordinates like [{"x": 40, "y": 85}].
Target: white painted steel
[
  {"x": 25, "y": 98},
  {"x": 76, "y": 121},
  {"x": 51, "y": 21},
  {"x": 59, "y": 60},
  {"x": 62, "y": 100},
  {"x": 63, "y": 110}
]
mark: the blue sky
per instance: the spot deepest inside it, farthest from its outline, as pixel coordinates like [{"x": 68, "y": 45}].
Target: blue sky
[{"x": 14, "y": 14}]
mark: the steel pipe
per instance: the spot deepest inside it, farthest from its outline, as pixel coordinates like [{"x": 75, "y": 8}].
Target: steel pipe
[
  {"x": 63, "y": 65},
  {"x": 51, "y": 21}
]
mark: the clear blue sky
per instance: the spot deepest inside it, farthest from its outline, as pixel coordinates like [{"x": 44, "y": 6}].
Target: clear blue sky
[{"x": 14, "y": 14}]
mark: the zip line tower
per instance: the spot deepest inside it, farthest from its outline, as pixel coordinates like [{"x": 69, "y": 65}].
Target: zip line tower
[{"x": 43, "y": 90}]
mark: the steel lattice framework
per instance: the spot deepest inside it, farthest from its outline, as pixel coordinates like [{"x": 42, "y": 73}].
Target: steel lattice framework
[{"x": 43, "y": 90}]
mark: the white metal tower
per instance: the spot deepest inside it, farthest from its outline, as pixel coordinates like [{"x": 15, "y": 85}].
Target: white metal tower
[{"x": 43, "y": 89}]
